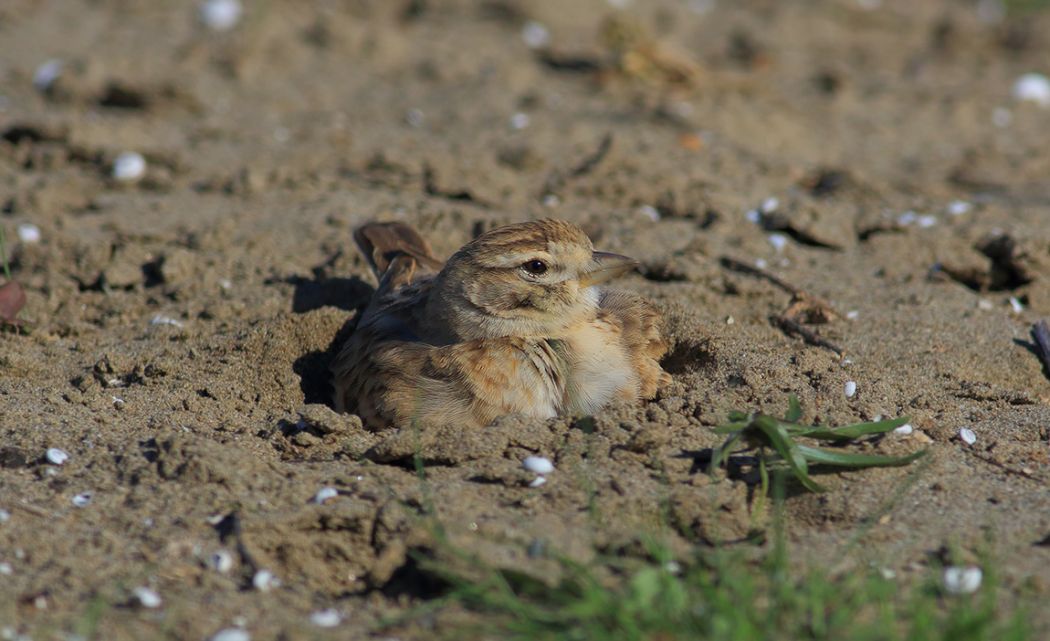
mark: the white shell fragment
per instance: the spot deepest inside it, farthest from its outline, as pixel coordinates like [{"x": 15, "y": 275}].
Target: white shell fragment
[
  {"x": 1033, "y": 87},
  {"x": 5, "y": 516},
  {"x": 231, "y": 634},
  {"x": 539, "y": 481},
  {"x": 220, "y": 15},
  {"x": 753, "y": 216},
  {"x": 324, "y": 494},
  {"x": 221, "y": 561},
  {"x": 967, "y": 436},
  {"x": 778, "y": 241},
  {"x": 852, "y": 315},
  {"x": 161, "y": 319},
  {"x": 1016, "y": 305},
  {"x": 960, "y": 580},
  {"x": 538, "y": 464},
  {"x": 28, "y": 233},
  {"x": 129, "y": 166},
  {"x": 6, "y": 569},
  {"x": 959, "y": 207},
  {"x": 56, "y": 456},
  {"x": 926, "y": 221},
  {"x": 519, "y": 121},
  {"x": 650, "y": 212},
  {"x": 850, "y": 388},
  {"x": 146, "y": 597},
  {"x": 47, "y": 73},
  {"x": 329, "y": 618},
  {"x": 904, "y": 429},
  {"x": 82, "y": 499},
  {"x": 535, "y": 35},
  {"x": 770, "y": 205},
  {"x": 264, "y": 581}
]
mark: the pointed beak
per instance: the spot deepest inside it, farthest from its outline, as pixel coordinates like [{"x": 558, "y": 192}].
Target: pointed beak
[{"x": 605, "y": 267}]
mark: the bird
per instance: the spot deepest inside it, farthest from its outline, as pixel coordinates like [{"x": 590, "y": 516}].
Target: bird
[{"x": 517, "y": 321}]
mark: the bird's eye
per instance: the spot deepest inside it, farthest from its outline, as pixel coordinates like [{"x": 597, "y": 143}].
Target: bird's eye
[{"x": 535, "y": 267}]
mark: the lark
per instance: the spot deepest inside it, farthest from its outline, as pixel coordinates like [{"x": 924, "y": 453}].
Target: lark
[{"x": 518, "y": 321}]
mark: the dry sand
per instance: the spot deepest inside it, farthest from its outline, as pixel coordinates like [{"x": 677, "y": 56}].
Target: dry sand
[{"x": 179, "y": 327}]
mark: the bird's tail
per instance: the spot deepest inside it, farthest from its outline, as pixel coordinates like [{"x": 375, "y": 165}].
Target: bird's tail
[{"x": 395, "y": 248}]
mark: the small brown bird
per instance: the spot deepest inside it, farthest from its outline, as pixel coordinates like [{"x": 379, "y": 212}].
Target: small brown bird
[{"x": 514, "y": 322}]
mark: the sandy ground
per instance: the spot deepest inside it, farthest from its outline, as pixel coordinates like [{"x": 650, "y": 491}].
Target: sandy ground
[{"x": 179, "y": 326}]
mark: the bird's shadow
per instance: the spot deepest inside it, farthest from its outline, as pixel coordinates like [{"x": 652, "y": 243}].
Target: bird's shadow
[{"x": 349, "y": 294}]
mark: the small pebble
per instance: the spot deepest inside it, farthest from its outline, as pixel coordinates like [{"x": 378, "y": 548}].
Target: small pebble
[
  {"x": 414, "y": 117},
  {"x": 221, "y": 561},
  {"x": 160, "y": 319},
  {"x": 1033, "y": 87},
  {"x": 519, "y": 121},
  {"x": 754, "y": 216},
  {"x": 329, "y": 618},
  {"x": 56, "y": 456},
  {"x": 28, "y": 233},
  {"x": 129, "y": 166},
  {"x": 47, "y": 73},
  {"x": 5, "y": 516},
  {"x": 82, "y": 499},
  {"x": 778, "y": 241},
  {"x": 538, "y": 481},
  {"x": 984, "y": 304},
  {"x": 907, "y": 218},
  {"x": 535, "y": 35},
  {"x": 264, "y": 581},
  {"x": 118, "y": 402},
  {"x": 730, "y": 320},
  {"x": 967, "y": 436},
  {"x": 538, "y": 464},
  {"x": 960, "y": 580},
  {"x": 220, "y": 15},
  {"x": 959, "y": 207},
  {"x": 324, "y": 494},
  {"x": 1016, "y": 305},
  {"x": 551, "y": 200},
  {"x": 6, "y": 569},
  {"x": 650, "y": 212},
  {"x": 146, "y": 597},
  {"x": 761, "y": 263},
  {"x": 926, "y": 221},
  {"x": 850, "y": 388},
  {"x": 231, "y": 634},
  {"x": 852, "y": 315},
  {"x": 770, "y": 205},
  {"x": 904, "y": 429}
]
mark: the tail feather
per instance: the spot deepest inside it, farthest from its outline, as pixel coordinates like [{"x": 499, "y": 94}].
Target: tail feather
[{"x": 383, "y": 244}]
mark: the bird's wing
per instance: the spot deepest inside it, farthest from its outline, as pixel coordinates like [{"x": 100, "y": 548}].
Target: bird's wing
[
  {"x": 641, "y": 336},
  {"x": 396, "y": 252}
]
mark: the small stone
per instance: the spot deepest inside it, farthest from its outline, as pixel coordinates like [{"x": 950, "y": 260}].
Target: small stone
[
  {"x": 6, "y": 569},
  {"x": 220, "y": 15},
  {"x": 414, "y": 117},
  {"x": 926, "y": 221},
  {"x": 83, "y": 499},
  {"x": 329, "y": 618},
  {"x": 962, "y": 580},
  {"x": 118, "y": 402},
  {"x": 754, "y": 216},
  {"x": 56, "y": 456},
  {"x": 538, "y": 465},
  {"x": 778, "y": 241},
  {"x": 538, "y": 481},
  {"x": 264, "y": 581},
  {"x": 1033, "y": 87},
  {"x": 519, "y": 121},
  {"x": 47, "y": 73},
  {"x": 650, "y": 212},
  {"x": 904, "y": 430},
  {"x": 852, "y": 315},
  {"x": 221, "y": 561},
  {"x": 907, "y": 218},
  {"x": 231, "y": 634},
  {"x": 324, "y": 494},
  {"x": 959, "y": 207},
  {"x": 28, "y": 233},
  {"x": 535, "y": 35},
  {"x": 770, "y": 205},
  {"x": 5, "y": 516},
  {"x": 129, "y": 166},
  {"x": 850, "y": 388},
  {"x": 967, "y": 436},
  {"x": 985, "y": 305},
  {"x": 160, "y": 319},
  {"x": 1016, "y": 305},
  {"x": 146, "y": 597}
]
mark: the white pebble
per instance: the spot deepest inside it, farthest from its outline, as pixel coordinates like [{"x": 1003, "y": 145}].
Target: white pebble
[
  {"x": 551, "y": 200},
  {"x": 415, "y": 117},
  {"x": 850, "y": 388},
  {"x": 538, "y": 481},
  {"x": 959, "y": 580},
  {"x": 1016, "y": 305},
  {"x": 1002, "y": 117},
  {"x": 904, "y": 429},
  {"x": 220, "y": 15},
  {"x": 326, "y": 618},
  {"x": 519, "y": 121},
  {"x": 146, "y": 597},
  {"x": 770, "y": 205},
  {"x": 985, "y": 304},
  {"x": 231, "y": 634},
  {"x": 1033, "y": 87},
  {"x": 754, "y": 216},
  {"x": 535, "y": 35},
  {"x": 28, "y": 233},
  {"x": 6, "y": 569},
  {"x": 967, "y": 436},
  {"x": 264, "y": 581},
  {"x": 47, "y": 73},
  {"x": 761, "y": 263},
  {"x": 56, "y": 456},
  {"x": 926, "y": 221},
  {"x": 160, "y": 319},
  {"x": 852, "y": 315},
  {"x": 959, "y": 207},
  {"x": 5, "y": 516},
  {"x": 650, "y": 212},
  {"x": 778, "y": 241},
  {"x": 907, "y": 218},
  {"x": 82, "y": 499},
  {"x": 118, "y": 402},
  {"x": 538, "y": 464},
  {"x": 221, "y": 561},
  {"x": 129, "y": 166},
  {"x": 324, "y": 494}
]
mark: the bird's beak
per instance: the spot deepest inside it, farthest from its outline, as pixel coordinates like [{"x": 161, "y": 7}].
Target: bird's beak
[{"x": 605, "y": 267}]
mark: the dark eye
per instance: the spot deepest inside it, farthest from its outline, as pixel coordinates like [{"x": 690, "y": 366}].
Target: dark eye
[{"x": 535, "y": 267}]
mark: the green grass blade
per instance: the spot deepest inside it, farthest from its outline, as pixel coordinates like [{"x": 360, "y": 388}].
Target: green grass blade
[
  {"x": 849, "y": 432},
  {"x": 779, "y": 439},
  {"x": 794, "y": 412},
  {"x": 842, "y": 459},
  {"x": 720, "y": 454},
  {"x": 729, "y": 428}
]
